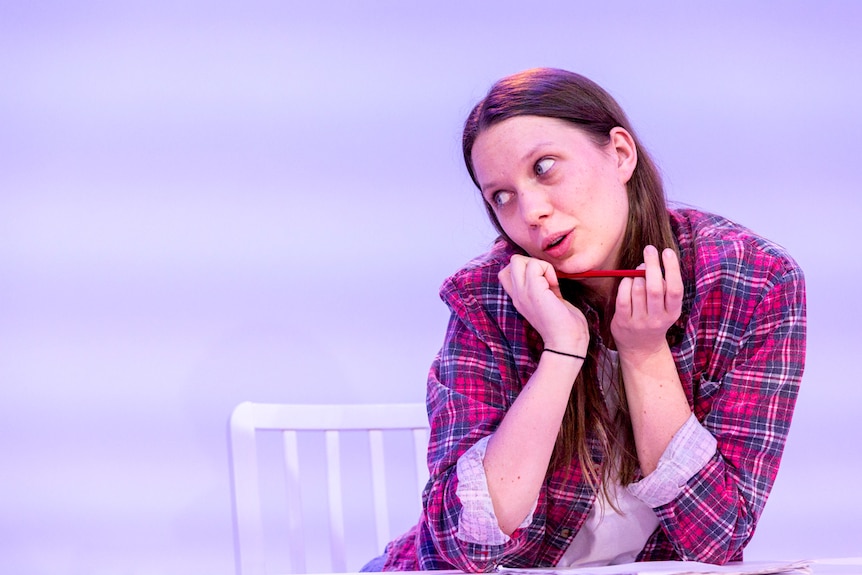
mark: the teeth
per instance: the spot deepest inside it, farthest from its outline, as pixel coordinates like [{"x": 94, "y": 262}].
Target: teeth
[{"x": 556, "y": 241}]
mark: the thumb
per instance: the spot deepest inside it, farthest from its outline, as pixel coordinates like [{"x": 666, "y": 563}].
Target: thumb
[{"x": 553, "y": 281}]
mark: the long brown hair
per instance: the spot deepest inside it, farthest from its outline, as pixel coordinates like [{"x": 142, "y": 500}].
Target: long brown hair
[{"x": 587, "y": 426}]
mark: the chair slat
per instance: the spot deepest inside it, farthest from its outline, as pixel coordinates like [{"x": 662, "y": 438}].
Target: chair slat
[
  {"x": 378, "y": 481},
  {"x": 336, "y": 505},
  {"x": 420, "y": 454},
  {"x": 296, "y": 540}
]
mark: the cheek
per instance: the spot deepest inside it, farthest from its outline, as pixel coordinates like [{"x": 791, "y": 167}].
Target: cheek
[
  {"x": 517, "y": 231},
  {"x": 613, "y": 196},
  {"x": 609, "y": 213},
  {"x": 511, "y": 225},
  {"x": 618, "y": 215}
]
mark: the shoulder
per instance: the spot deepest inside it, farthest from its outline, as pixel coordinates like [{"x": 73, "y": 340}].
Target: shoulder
[
  {"x": 477, "y": 279},
  {"x": 715, "y": 249},
  {"x": 478, "y": 300}
]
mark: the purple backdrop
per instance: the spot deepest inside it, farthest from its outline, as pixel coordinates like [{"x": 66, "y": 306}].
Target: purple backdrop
[{"x": 208, "y": 202}]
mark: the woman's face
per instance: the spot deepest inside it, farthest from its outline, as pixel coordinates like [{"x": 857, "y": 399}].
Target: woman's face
[{"x": 556, "y": 193}]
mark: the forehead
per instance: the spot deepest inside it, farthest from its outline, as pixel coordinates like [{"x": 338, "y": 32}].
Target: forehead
[
  {"x": 517, "y": 138},
  {"x": 526, "y": 124}
]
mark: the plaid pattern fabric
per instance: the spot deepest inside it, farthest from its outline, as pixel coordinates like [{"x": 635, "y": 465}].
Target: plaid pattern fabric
[{"x": 739, "y": 347}]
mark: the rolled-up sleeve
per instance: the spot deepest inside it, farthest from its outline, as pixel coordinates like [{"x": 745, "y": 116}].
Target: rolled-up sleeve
[
  {"x": 478, "y": 522},
  {"x": 691, "y": 448}
]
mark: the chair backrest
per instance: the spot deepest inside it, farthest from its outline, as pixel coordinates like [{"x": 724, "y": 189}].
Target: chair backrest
[{"x": 297, "y": 428}]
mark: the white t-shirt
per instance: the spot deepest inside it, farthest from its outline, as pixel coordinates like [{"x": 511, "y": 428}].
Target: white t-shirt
[{"x": 611, "y": 538}]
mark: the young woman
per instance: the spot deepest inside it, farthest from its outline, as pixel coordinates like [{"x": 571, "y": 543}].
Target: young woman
[{"x": 600, "y": 420}]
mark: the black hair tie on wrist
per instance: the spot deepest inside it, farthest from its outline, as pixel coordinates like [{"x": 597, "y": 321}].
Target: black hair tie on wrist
[{"x": 564, "y": 353}]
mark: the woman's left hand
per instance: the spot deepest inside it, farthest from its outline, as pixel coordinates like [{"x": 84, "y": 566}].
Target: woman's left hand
[{"x": 647, "y": 307}]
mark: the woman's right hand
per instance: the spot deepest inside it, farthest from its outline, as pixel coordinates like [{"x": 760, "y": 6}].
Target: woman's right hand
[{"x": 535, "y": 291}]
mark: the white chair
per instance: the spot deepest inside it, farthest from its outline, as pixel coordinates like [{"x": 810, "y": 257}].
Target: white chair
[{"x": 335, "y": 426}]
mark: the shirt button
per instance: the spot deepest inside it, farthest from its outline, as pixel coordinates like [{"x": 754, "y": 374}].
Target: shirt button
[{"x": 565, "y": 532}]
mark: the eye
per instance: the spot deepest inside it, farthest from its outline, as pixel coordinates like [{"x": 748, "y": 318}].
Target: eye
[
  {"x": 542, "y": 166},
  {"x": 500, "y": 199}
]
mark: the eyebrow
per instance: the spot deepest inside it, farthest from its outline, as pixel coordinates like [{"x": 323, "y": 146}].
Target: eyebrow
[{"x": 531, "y": 152}]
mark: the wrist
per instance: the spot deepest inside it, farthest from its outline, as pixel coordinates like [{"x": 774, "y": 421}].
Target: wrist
[
  {"x": 563, "y": 366},
  {"x": 568, "y": 343},
  {"x": 575, "y": 356},
  {"x": 641, "y": 353}
]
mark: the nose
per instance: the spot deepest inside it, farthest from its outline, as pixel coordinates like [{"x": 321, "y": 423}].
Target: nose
[{"x": 535, "y": 204}]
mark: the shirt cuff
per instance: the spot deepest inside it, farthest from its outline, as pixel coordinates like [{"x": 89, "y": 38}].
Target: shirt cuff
[
  {"x": 478, "y": 523},
  {"x": 690, "y": 449}
]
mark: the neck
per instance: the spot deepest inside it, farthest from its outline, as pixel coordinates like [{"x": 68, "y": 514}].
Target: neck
[{"x": 602, "y": 291}]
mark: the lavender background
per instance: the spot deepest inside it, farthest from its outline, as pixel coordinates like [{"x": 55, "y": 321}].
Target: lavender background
[{"x": 208, "y": 202}]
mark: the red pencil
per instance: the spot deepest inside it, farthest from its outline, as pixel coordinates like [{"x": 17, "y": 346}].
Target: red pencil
[{"x": 603, "y": 274}]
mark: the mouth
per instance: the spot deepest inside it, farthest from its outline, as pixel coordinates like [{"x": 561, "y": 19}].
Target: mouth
[{"x": 555, "y": 241}]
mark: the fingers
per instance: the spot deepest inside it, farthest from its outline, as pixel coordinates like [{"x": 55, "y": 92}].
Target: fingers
[
  {"x": 652, "y": 285},
  {"x": 525, "y": 276},
  {"x": 674, "y": 289},
  {"x": 514, "y": 276},
  {"x": 657, "y": 294},
  {"x": 531, "y": 284},
  {"x": 505, "y": 277},
  {"x": 624, "y": 297}
]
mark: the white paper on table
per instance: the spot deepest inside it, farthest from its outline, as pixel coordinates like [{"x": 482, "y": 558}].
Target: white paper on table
[{"x": 674, "y": 568}]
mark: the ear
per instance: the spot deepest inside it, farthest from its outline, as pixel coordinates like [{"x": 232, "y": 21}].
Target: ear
[{"x": 626, "y": 153}]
